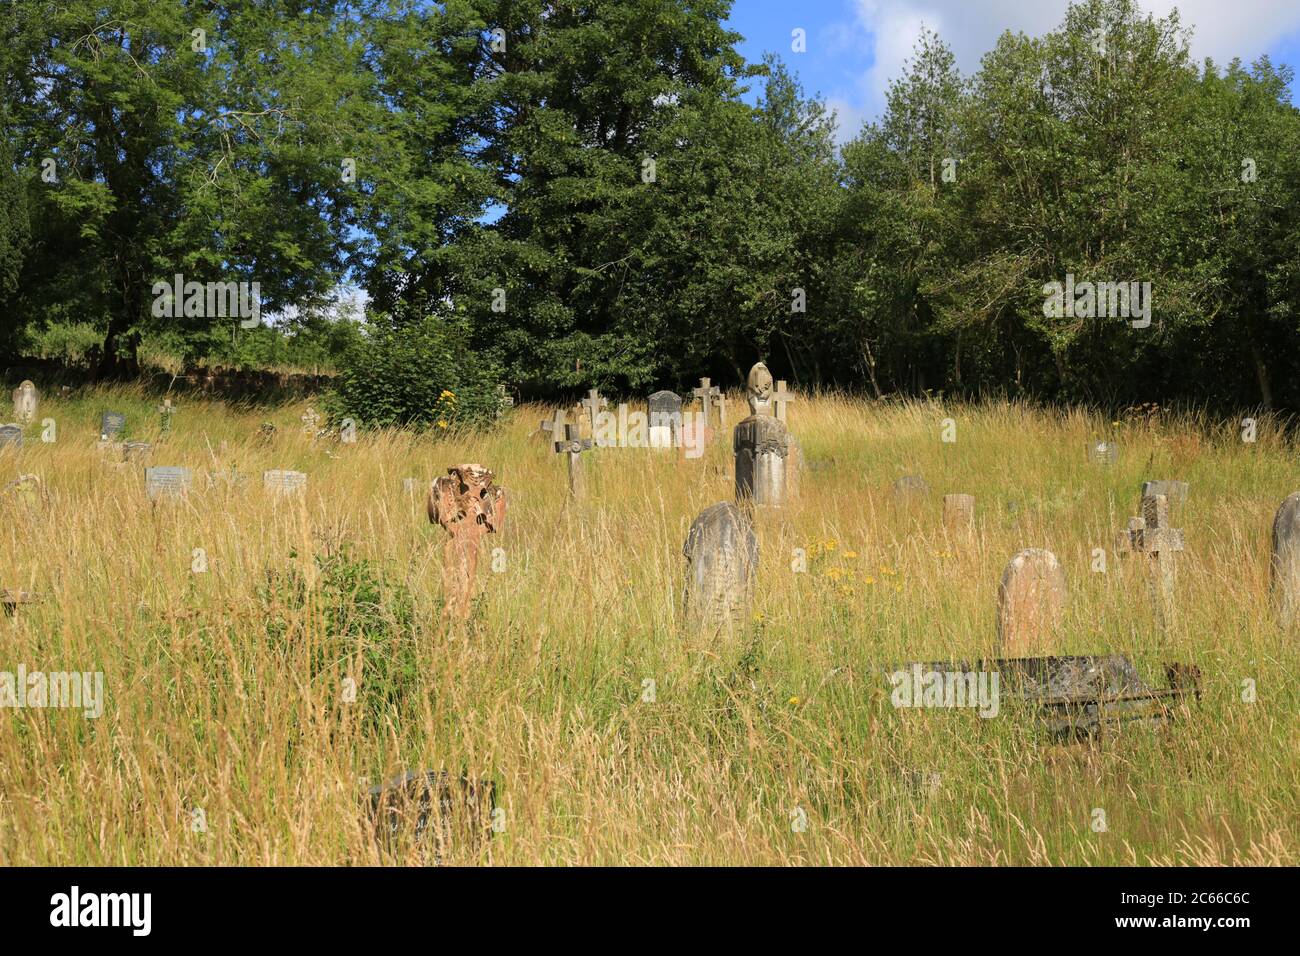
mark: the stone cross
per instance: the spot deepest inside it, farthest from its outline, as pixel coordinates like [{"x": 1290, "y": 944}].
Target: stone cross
[
  {"x": 959, "y": 513},
  {"x": 555, "y": 426},
  {"x": 574, "y": 445},
  {"x": 707, "y": 391},
  {"x": 1151, "y": 535},
  {"x": 1284, "y": 569},
  {"x": 1031, "y": 600},
  {"x": 781, "y": 398},
  {"x": 467, "y": 505},
  {"x": 721, "y": 553},
  {"x": 27, "y": 400},
  {"x": 761, "y": 445},
  {"x": 593, "y": 403}
]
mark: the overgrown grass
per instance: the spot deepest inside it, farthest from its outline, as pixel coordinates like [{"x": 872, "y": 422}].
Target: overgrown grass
[{"x": 223, "y": 688}]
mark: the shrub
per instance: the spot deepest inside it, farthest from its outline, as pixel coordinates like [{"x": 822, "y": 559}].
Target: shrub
[{"x": 420, "y": 374}]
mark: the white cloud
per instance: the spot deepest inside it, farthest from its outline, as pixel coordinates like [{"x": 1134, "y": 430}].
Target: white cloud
[{"x": 1242, "y": 28}]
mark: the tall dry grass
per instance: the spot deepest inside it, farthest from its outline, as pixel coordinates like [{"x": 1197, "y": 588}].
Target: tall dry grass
[{"x": 223, "y": 688}]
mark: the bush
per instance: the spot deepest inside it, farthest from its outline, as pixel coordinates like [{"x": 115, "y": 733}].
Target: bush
[{"x": 420, "y": 374}]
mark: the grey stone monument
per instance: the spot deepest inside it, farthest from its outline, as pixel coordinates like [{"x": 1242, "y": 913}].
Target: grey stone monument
[
  {"x": 27, "y": 400},
  {"x": 11, "y": 435},
  {"x": 1031, "y": 600},
  {"x": 762, "y": 449},
  {"x": 721, "y": 553},
  {"x": 1285, "y": 566},
  {"x": 284, "y": 482},
  {"x": 665, "y": 416},
  {"x": 166, "y": 480}
]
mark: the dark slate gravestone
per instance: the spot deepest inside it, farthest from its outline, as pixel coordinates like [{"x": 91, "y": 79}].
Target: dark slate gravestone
[
  {"x": 665, "y": 419},
  {"x": 433, "y": 807},
  {"x": 111, "y": 424},
  {"x": 166, "y": 480},
  {"x": 11, "y": 435}
]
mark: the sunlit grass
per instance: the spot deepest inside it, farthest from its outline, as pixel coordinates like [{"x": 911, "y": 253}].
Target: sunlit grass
[{"x": 223, "y": 693}]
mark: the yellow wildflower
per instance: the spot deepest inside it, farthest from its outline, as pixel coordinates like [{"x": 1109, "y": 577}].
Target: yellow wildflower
[{"x": 793, "y": 701}]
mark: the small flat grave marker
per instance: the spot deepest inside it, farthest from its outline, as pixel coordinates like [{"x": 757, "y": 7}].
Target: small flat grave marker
[
  {"x": 1103, "y": 452},
  {"x": 169, "y": 480},
  {"x": 283, "y": 481},
  {"x": 11, "y": 435}
]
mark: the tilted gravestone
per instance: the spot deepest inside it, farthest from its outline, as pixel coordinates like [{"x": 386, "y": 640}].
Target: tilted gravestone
[
  {"x": 467, "y": 504},
  {"x": 27, "y": 399},
  {"x": 665, "y": 414},
  {"x": 167, "y": 480},
  {"x": 11, "y": 435},
  {"x": 111, "y": 424},
  {"x": 721, "y": 553},
  {"x": 1284, "y": 569},
  {"x": 281, "y": 481},
  {"x": 1031, "y": 601}
]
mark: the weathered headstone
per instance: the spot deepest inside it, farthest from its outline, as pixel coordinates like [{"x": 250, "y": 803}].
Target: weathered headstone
[
  {"x": 1285, "y": 565},
  {"x": 27, "y": 400},
  {"x": 166, "y": 480},
  {"x": 1031, "y": 600},
  {"x": 1151, "y": 535},
  {"x": 136, "y": 450},
  {"x": 573, "y": 446},
  {"x": 1103, "y": 452},
  {"x": 24, "y": 488},
  {"x": 665, "y": 413},
  {"x": 433, "y": 808},
  {"x": 910, "y": 488},
  {"x": 761, "y": 444},
  {"x": 721, "y": 553},
  {"x": 111, "y": 424},
  {"x": 467, "y": 505},
  {"x": 266, "y": 432},
  {"x": 959, "y": 513},
  {"x": 780, "y": 399},
  {"x": 504, "y": 401},
  {"x": 165, "y": 412},
  {"x": 710, "y": 395},
  {"x": 1175, "y": 491},
  {"x": 282, "y": 481},
  {"x": 311, "y": 420},
  {"x": 11, "y": 435}
]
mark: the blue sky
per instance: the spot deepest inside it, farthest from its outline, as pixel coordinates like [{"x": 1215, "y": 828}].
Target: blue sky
[{"x": 856, "y": 46}]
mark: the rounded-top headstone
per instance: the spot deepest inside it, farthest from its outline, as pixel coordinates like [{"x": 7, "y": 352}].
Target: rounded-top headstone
[
  {"x": 1285, "y": 566},
  {"x": 959, "y": 512},
  {"x": 26, "y": 401},
  {"x": 1031, "y": 600},
  {"x": 721, "y": 553}
]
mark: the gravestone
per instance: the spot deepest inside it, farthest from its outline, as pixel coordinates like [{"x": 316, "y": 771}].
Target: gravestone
[
  {"x": 283, "y": 481},
  {"x": 1103, "y": 452},
  {"x": 665, "y": 414},
  {"x": 1151, "y": 535},
  {"x": 24, "y": 488},
  {"x": 266, "y": 432},
  {"x": 27, "y": 400},
  {"x": 721, "y": 553},
  {"x": 310, "y": 422},
  {"x": 1031, "y": 600},
  {"x": 781, "y": 398},
  {"x": 593, "y": 404},
  {"x": 504, "y": 401},
  {"x": 554, "y": 426},
  {"x": 166, "y": 480},
  {"x": 467, "y": 505},
  {"x": 433, "y": 808},
  {"x": 1175, "y": 491},
  {"x": 1284, "y": 569},
  {"x": 111, "y": 424},
  {"x": 11, "y": 435},
  {"x": 910, "y": 489},
  {"x": 959, "y": 513},
  {"x": 573, "y": 446},
  {"x": 709, "y": 395},
  {"x": 136, "y": 450},
  {"x": 761, "y": 445},
  {"x": 165, "y": 413}
]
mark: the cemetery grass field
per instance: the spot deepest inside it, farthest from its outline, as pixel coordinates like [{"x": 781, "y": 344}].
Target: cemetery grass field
[{"x": 224, "y": 690}]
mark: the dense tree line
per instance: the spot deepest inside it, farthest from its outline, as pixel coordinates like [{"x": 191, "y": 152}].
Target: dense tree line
[{"x": 583, "y": 194}]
